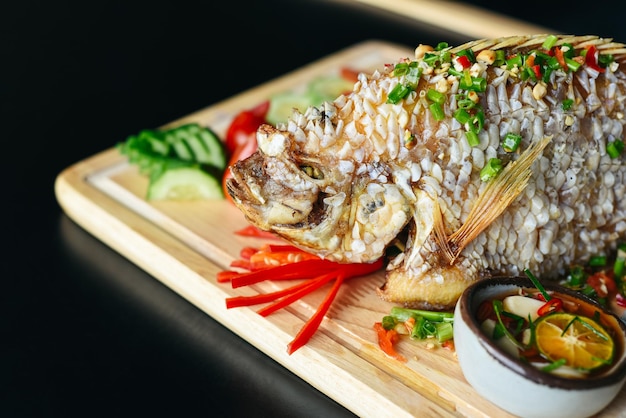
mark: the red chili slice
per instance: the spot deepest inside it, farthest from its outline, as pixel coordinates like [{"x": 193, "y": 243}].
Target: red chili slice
[
  {"x": 553, "y": 305},
  {"x": 463, "y": 61},
  {"x": 591, "y": 58}
]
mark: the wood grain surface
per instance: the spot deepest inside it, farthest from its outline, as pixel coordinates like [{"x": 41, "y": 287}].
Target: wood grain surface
[{"x": 184, "y": 245}]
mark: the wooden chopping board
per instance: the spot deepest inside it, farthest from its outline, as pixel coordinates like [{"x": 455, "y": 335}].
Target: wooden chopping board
[{"x": 184, "y": 245}]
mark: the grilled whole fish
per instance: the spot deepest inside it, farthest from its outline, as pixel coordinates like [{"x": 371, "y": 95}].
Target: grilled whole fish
[{"x": 428, "y": 148}]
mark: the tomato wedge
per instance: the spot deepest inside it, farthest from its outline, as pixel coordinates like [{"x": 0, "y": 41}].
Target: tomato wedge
[
  {"x": 244, "y": 126},
  {"x": 241, "y": 153},
  {"x": 350, "y": 74}
]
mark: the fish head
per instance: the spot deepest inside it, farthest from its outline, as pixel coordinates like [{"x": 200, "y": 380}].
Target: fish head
[{"x": 320, "y": 203}]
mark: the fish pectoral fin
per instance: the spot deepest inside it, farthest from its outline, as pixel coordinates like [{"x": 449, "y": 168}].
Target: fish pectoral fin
[
  {"x": 429, "y": 223},
  {"x": 439, "y": 231},
  {"x": 497, "y": 196}
]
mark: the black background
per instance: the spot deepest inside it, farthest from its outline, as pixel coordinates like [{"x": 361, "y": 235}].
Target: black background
[{"x": 84, "y": 332}]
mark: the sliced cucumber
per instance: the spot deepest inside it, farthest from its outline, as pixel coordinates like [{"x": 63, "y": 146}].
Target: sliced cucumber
[
  {"x": 319, "y": 90},
  {"x": 282, "y": 106},
  {"x": 140, "y": 151},
  {"x": 192, "y": 142},
  {"x": 156, "y": 140},
  {"x": 217, "y": 151},
  {"x": 183, "y": 163},
  {"x": 176, "y": 138},
  {"x": 184, "y": 183},
  {"x": 328, "y": 88}
]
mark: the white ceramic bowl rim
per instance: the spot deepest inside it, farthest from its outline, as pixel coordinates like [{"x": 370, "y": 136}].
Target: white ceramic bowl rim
[{"x": 471, "y": 298}]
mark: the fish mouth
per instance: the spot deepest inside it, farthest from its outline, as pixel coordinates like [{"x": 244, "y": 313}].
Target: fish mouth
[
  {"x": 274, "y": 194},
  {"x": 237, "y": 187}
]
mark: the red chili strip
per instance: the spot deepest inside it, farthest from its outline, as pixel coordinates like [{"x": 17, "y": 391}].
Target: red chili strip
[
  {"x": 558, "y": 53},
  {"x": 285, "y": 262},
  {"x": 238, "y": 301},
  {"x": 247, "y": 252},
  {"x": 243, "y": 264},
  {"x": 253, "y": 231},
  {"x": 274, "y": 248},
  {"x": 302, "y": 270},
  {"x": 307, "y": 331},
  {"x": 275, "y": 258},
  {"x": 226, "y": 275},
  {"x": 310, "y": 286}
]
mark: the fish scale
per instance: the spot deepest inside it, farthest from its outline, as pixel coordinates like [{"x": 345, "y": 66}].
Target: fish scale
[{"x": 558, "y": 199}]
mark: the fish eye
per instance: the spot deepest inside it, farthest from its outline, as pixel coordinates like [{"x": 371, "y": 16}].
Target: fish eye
[{"x": 313, "y": 172}]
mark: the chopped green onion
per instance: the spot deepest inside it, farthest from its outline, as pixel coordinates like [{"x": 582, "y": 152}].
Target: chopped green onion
[
  {"x": 567, "y": 104},
  {"x": 514, "y": 61},
  {"x": 454, "y": 72},
  {"x": 568, "y": 50},
  {"x": 413, "y": 75},
  {"x": 519, "y": 321},
  {"x": 491, "y": 169},
  {"x": 445, "y": 56},
  {"x": 465, "y": 103},
  {"x": 401, "y": 68},
  {"x": 587, "y": 325},
  {"x": 423, "y": 328},
  {"x": 402, "y": 314},
  {"x": 498, "y": 331},
  {"x": 618, "y": 267},
  {"x": 472, "y": 138},
  {"x": 437, "y": 111},
  {"x": 538, "y": 284},
  {"x": 527, "y": 73},
  {"x": 554, "y": 365},
  {"x": 572, "y": 65},
  {"x": 511, "y": 142},
  {"x": 466, "y": 80},
  {"x": 576, "y": 277},
  {"x": 427, "y": 323},
  {"x": 620, "y": 261},
  {"x": 462, "y": 116},
  {"x": 498, "y": 309},
  {"x": 615, "y": 148},
  {"x": 431, "y": 59},
  {"x": 604, "y": 60},
  {"x": 477, "y": 122},
  {"x": 588, "y": 291},
  {"x": 389, "y": 322},
  {"x": 500, "y": 57},
  {"x": 445, "y": 331},
  {"x": 549, "y": 42},
  {"x": 547, "y": 71},
  {"x": 479, "y": 84},
  {"x": 541, "y": 57},
  {"x": 553, "y": 63},
  {"x": 597, "y": 261},
  {"x": 398, "y": 93},
  {"x": 435, "y": 96},
  {"x": 441, "y": 45},
  {"x": 468, "y": 53}
]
